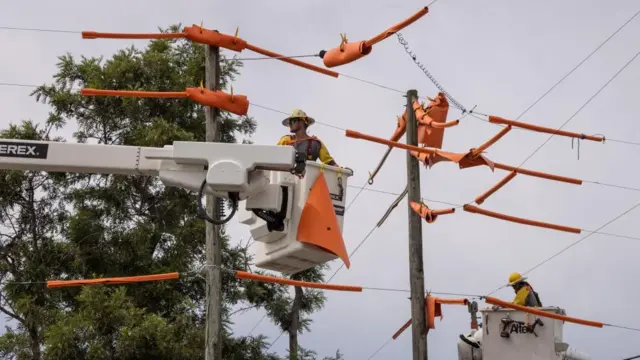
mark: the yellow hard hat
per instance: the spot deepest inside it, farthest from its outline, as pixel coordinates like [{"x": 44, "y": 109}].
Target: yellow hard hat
[
  {"x": 298, "y": 114},
  {"x": 515, "y": 278}
]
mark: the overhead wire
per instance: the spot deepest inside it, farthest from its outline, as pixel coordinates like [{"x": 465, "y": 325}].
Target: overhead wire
[
  {"x": 574, "y": 244},
  {"x": 382, "y": 86}
]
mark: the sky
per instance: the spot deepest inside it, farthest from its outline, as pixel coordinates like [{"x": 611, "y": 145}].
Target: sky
[{"x": 500, "y": 56}]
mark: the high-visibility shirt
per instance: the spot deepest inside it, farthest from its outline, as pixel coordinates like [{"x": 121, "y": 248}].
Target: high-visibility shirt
[
  {"x": 313, "y": 148},
  {"x": 526, "y": 297}
]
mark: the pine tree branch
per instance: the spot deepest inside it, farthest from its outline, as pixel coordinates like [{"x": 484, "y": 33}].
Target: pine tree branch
[
  {"x": 244, "y": 309},
  {"x": 14, "y": 316}
]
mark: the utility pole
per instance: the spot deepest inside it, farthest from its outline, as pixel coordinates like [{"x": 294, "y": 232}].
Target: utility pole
[
  {"x": 213, "y": 338},
  {"x": 416, "y": 270}
]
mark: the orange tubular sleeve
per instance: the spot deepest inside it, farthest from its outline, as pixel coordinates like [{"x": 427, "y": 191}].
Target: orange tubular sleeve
[
  {"x": 499, "y": 120},
  {"x": 480, "y": 149},
  {"x": 101, "y": 35},
  {"x": 210, "y": 37},
  {"x": 434, "y": 308},
  {"x": 359, "y": 135},
  {"x": 108, "y": 281},
  {"x": 292, "y": 61},
  {"x": 236, "y": 104},
  {"x": 249, "y": 276},
  {"x": 397, "y": 27},
  {"x": 538, "y": 174},
  {"x": 429, "y": 215},
  {"x": 477, "y": 210},
  {"x": 480, "y": 199},
  {"x": 127, "y": 93},
  {"x": 542, "y": 313},
  {"x": 345, "y": 54},
  {"x": 401, "y": 330},
  {"x": 400, "y": 129},
  {"x": 444, "y": 125}
]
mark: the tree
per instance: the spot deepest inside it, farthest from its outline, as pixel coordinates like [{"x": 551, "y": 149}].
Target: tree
[
  {"x": 57, "y": 225},
  {"x": 291, "y": 313}
]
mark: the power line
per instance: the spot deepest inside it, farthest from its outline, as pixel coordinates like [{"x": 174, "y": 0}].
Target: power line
[
  {"x": 574, "y": 243},
  {"x": 582, "y": 107},
  {"x": 579, "y": 64},
  {"x": 39, "y": 30}
]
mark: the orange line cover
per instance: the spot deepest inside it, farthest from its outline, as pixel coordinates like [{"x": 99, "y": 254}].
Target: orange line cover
[
  {"x": 115, "y": 280},
  {"x": 249, "y": 276},
  {"x": 494, "y": 301},
  {"x": 236, "y": 104},
  {"x": 348, "y": 52},
  {"x": 431, "y": 156},
  {"x": 434, "y": 308},
  {"x": 499, "y": 120},
  {"x": 201, "y": 35},
  {"x": 429, "y": 215},
  {"x": 480, "y": 199},
  {"x": 477, "y": 210}
]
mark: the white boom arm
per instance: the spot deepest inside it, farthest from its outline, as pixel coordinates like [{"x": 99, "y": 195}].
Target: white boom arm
[
  {"x": 263, "y": 175},
  {"x": 228, "y": 168}
]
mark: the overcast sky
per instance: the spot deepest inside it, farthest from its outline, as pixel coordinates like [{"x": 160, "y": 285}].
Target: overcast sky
[{"x": 497, "y": 54}]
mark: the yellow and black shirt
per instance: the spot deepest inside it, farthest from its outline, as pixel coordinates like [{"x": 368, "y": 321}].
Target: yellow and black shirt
[{"x": 311, "y": 146}]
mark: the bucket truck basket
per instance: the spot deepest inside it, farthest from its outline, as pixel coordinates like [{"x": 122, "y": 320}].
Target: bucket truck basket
[{"x": 311, "y": 233}]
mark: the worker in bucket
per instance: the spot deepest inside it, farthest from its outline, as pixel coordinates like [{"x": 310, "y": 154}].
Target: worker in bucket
[
  {"x": 314, "y": 149},
  {"x": 525, "y": 295}
]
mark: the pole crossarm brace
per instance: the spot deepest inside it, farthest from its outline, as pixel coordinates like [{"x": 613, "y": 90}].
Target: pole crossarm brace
[{"x": 201, "y": 35}]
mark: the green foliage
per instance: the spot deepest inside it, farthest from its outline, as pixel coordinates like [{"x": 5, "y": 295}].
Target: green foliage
[
  {"x": 57, "y": 225},
  {"x": 73, "y": 226}
]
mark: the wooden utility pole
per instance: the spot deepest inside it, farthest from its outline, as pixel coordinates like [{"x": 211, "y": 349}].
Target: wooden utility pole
[
  {"x": 416, "y": 270},
  {"x": 213, "y": 338}
]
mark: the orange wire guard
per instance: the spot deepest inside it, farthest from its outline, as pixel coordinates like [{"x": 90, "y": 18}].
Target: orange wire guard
[
  {"x": 111, "y": 281},
  {"x": 494, "y": 301},
  {"x": 237, "y": 104},
  {"x": 201, "y": 35}
]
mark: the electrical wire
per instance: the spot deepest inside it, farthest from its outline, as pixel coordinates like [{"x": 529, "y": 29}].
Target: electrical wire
[
  {"x": 582, "y": 107},
  {"x": 39, "y": 30},
  {"x": 579, "y": 64},
  {"x": 574, "y": 244}
]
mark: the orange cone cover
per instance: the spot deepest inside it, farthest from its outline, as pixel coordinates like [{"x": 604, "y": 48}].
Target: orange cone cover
[
  {"x": 350, "y": 52},
  {"x": 319, "y": 224},
  {"x": 237, "y": 104}
]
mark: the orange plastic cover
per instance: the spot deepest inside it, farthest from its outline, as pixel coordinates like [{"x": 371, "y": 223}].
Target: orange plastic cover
[
  {"x": 429, "y": 215},
  {"x": 115, "y": 280},
  {"x": 345, "y": 54},
  {"x": 272, "y": 279},
  {"x": 319, "y": 224},
  {"x": 397, "y": 27},
  {"x": 436, "y": 112},
  {"x": 494, "y": 301},
  {"x": 433, "y": 309},
  {"x": 237, "y": 104},
  {"x": 211, "y": 37},
  {"x": 401, "y": 128}
]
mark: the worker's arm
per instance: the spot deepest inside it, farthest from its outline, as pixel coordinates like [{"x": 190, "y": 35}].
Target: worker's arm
[
  {"x": 521, "y": 297},
  {"x": 325, "y": 157}
]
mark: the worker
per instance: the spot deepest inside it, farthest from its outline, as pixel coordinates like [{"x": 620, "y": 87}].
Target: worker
[
  {"x": 525, "y": 295},
  {"x": 314, "y": 149}
]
